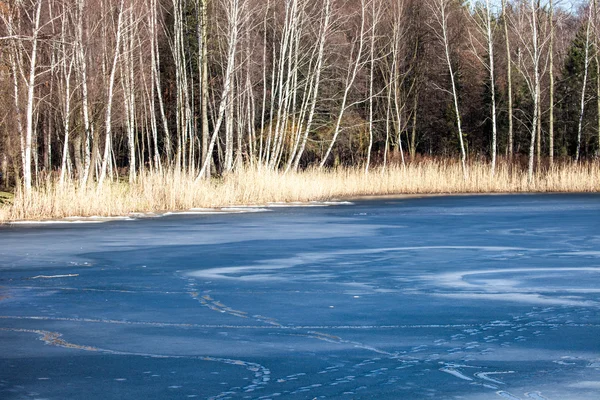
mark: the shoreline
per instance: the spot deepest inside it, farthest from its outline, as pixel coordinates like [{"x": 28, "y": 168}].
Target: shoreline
[
  {"x": 259, "y": 208},
  {"x": 173, "y": 191},
  {"x": 456, "y": 194}
]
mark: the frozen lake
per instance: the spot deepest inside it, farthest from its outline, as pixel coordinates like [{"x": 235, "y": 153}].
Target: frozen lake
[{"x": 453, "y": 297}]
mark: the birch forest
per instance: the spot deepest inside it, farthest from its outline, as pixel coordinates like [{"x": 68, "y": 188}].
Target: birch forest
[{"x": 97, "y": 90}]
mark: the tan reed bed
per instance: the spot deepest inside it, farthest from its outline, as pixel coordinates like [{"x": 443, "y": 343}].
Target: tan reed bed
[{"x": 155, "y": 192}]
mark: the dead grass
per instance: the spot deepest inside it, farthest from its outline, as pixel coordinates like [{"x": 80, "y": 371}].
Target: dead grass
[{"x": 154, "y": 192}]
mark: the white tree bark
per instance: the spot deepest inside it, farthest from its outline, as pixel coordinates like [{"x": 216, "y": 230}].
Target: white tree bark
[
  {"x": 374, "y": 22},
  {"x": 485, "y": 25},
  {"x": 536, "y": 88},
  {"x": 67, "y": 68},
  {"x": 353, "y": 68},
  {"x": 551, "y": 100},
  {"x": 584, "y": 83},
  {"x": 83, "y": 77},
  {"x": 441, "y": 15},
  {"x": 109, "y": 98},
  {"x": 27, "y": 175},
  {"x": 227, "y": 84},
  {"x": 325, "y": 28},
  {"x": 509, "y": 82}
]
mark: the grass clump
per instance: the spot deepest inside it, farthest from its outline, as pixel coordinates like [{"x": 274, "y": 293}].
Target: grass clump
[{"x": 176, "y": 190}]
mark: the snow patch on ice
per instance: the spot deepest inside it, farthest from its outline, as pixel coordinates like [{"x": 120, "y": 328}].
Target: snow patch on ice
[
  {"x": 456, "y": 373},
  {"x": 75, "y": 220},
  {"x": 244, "y": 209},
  {"x": 54, "y": 222}
]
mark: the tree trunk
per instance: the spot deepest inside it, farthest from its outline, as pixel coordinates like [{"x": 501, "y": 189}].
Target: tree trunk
[
  {"x": 443, "y": 22},
  {"x": 490, "y": 41},
  {"x": 374, "y": 18},
  {"x": 509, "y": 83},
  {"x": 551, "y": 72},
  {"x": 109, "y": 99},
  {"x": 536, "y": 90},
  {"x": 228, "y": 82},
  {"x": 27, "y": 175},
  {"x": 596, "y": 44},
  {"x": 352, "y": 72},
  {"x": 583, "y": 86}
]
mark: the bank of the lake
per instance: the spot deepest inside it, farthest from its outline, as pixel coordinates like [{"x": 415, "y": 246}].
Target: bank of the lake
[{"x": 156, "y": 192}]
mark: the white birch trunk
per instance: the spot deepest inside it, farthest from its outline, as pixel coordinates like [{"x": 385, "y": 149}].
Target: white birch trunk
[
  {"x": 155, "y": 61},
  {"x": 67, "y": 58},
  {"x": 584, "y": 85},
  {"x": 82, "y": 66},
  {"x": 228, "y": 81},
  {"x": 27, "y": 174},
  {"x": 352, "y": 72},
  {"x": 325, "y": 27},
  {"x": 374, "y": 21},
  {"x": 109, "y": 99},
  {"x": 442, "y": 19},
  {"x": 490, "y": 40},
  {"x": 551, "y": 72},
  {"x": 536, "y": 90},
  {"x": 509, "y": 83}
]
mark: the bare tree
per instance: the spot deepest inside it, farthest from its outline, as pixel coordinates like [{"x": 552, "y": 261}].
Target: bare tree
[
  {"x": 233, "y": 10},
  {"x": 440, "y": 10},
  {"x": 509, "y": 94},
  {"x": 202, "y": 33},
  {"x": 483, "y": 21},
  {"x": 586, "y": 64},
  {"x": 375, "y": 20},
  {"x": 529, "y": 66},
  {"x": 23, "y": 60},
  {"x": 110, "y": 95},
  {"x": 356, "y": 62},
  {"x": 67, "y": 69},
  {"x": 315, "y": 82},
  {"x": 551, "y": 72},
  {"x": 597, "y": 62}
]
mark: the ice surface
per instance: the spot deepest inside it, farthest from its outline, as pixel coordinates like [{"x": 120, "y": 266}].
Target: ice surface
[{"x": 458, "y": 297}]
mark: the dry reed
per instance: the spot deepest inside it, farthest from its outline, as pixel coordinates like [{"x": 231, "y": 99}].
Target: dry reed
[{"x": 173, "y": 190}]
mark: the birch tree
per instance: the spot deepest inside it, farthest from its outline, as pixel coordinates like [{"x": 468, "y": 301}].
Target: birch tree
[
  {"x": 440, "y": 11},
  {"x": 30, "y": 97},
  {"x": 529, "y": 66},
  {"x": 325, "y": 27},
  {"x": 82, "y": 70},
  {"x": 355, "y": 63},
  {"x": 551, "y": 72},
  {"x": 597, "y": 62},
  {"x": 586, "y": 64},
  {"x": 202, "y": 37},
  {"x": 483, "y": 21},
  {"x": 397, "y": 94},
  {"x": 67, "y": 69},
  {"x": 128, "y": 84},
  {"x": 509, "y": 93},
  {"x": 12, "y": 21},
  {"x": 24, "y": 69},
  {"x": 375, "y": 17},
  {"x": 233, "y": 10},
  {"x": 155, "y": 68},
  {"x": 110, "y": 95}
]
